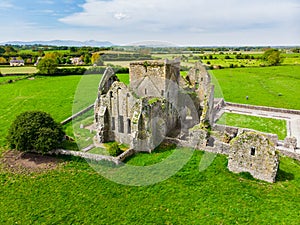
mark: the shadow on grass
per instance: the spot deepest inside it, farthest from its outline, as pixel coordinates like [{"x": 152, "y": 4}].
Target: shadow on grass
[
  {"x": 165, "y": 148},
  {"x": 246, "y": 176},
  {"x": 284, "y": 176}
]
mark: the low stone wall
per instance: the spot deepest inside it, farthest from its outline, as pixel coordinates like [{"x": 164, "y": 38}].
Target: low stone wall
[
  {"x": 84, "y": 155},
  {"x": 125, "y": 155},
  {"x": 95, "y": 157},
  {"x": 264, "y": 108},
  {"x": 235, "y": 131},
  {"x": 290, "y": 154},
  {"x": 77, "y": 115}
]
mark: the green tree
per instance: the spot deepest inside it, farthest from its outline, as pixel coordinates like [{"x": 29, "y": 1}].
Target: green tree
[
  {"x": 2, "y": 50},
  {"x": 35, "y": 130},
  {"x": 73, "y": 49},
  {"x": 54, "y": 55},
  {"x": 87, "y": 59},
  {"x": 9, "y": 49},
  {"x": 3, "y": 60},
  {"x": 272, "y": 57},
  {"x": 47, "y": 66},
  {"x": 97, "y": 60}
]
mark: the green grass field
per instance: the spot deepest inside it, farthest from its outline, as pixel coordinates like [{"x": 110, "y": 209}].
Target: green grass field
[
  {"x": 266, "y": 125},
  {"x": 267, "y": 86},
  {"x": 219, "y": 59},
  {"x": 18, "y": 70},
  {"x": 76, "y": 194},
  {"x": 59, "y": 96},
  {"x": 3, "y": 80}
]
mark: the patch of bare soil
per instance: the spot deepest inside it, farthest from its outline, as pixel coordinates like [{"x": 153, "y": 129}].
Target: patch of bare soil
[{"x": 22, "y": 162}]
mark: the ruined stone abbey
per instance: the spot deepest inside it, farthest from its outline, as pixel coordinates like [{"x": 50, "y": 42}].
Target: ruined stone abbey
[
  {"x": 161, "y": 104},
  {"x": 153, "y": 106}
]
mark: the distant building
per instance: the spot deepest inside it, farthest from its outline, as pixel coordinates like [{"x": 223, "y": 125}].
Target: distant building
[
  {"x": 38, "y": 60},
  {"x": 15, "y": 62},
  {"x": 77, "y": 61}
]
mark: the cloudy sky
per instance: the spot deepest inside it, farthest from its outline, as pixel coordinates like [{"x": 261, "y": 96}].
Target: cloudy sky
[{"x": 182, "y": 22}]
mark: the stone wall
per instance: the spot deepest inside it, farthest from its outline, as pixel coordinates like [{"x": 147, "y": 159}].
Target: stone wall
[
  {"x": 230, "y": 132},
  {"x": 152, "y": 78},
  {"x": 254, "y": 153},
  {"x": 264, "y": 108},
  {"x": 68, "y": 120},
  {"x": 117, "y": 160},
  {"x": 114, "y": 116},
  {"x": 290, "y": 143}
]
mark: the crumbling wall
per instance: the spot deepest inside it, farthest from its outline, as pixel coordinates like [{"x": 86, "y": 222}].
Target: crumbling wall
[
  {"x": 114, "y": 116},
  {"x": 290, "y": 143},
  {"x": 155, "y": 121},
  {"x": 254, "y": 153},
  {"x": 152, "y": 78}
]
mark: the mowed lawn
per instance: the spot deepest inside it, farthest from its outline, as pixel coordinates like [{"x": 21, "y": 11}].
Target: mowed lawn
[
  {"x": 77, "y": 194},
  {"x": 267, "y": 86},
  {"x": 59, "y": 96},
  {"x": 5, "y": 79},
  {"x": 266, "y": 125}
]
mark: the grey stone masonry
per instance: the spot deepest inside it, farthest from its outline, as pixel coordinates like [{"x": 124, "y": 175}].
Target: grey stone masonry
[{"x": 254, "y": 153}]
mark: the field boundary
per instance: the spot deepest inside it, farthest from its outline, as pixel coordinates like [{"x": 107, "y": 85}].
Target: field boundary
[
  {"x": 263, "y": 108},
  {"x": 71, "y": 118},
  {"x": 94, "y": 157}
]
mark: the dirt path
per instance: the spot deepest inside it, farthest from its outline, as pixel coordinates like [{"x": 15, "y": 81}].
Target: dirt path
[{"x": 20, "y": 162}]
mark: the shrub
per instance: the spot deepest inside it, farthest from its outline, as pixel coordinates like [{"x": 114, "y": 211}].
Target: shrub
[
  {"x": 114, "y": 149},
  {"x": 71, "y": 71},
  {"x": 47, "y": 66},
  {"x": 35, "y": 130},
  {"x": 272, "y": 57}
]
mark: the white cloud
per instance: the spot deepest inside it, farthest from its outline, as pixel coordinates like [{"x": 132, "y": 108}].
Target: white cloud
[
  {"x": 193, "y": 15},
  {"x": 6, "y": 4},
  {"x": 192, "y": 21},
  {"x": 121, "y": 16},
  {"x": 197, "y": 22}
]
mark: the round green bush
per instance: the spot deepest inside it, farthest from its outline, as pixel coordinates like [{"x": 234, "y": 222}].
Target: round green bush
[
  {"x": 35, "y": 131},
  {"x": 114, "y": 149}
]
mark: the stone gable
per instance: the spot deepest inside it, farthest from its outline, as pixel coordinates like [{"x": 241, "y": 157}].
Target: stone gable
[{"x": 254, "y": 153}]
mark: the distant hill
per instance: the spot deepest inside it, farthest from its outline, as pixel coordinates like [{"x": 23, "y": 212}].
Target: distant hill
[{"x": 91, "y": 43}]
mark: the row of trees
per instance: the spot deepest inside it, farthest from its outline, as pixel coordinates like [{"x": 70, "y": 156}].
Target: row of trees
[
  {"x": 48, "y": 65},
  {"x": 63, "y": 55}
]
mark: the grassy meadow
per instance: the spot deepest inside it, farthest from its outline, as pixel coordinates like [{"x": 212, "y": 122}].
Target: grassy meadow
[
  {"x": 4, "y": 80},
  {"x": 77, "y": 194},
  {"x": 267, "y": 86},
  {"x": 59, "y": 96},
  {"x": 18, "y": 70},
  {"x": 266, "y": 125}
]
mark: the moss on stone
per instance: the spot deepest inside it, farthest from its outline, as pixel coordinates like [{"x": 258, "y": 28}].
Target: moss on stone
[{"x": 153, "y": 100}]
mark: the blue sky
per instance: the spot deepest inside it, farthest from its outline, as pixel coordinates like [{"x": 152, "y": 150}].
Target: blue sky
[{"x": 188, "y": 22}]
